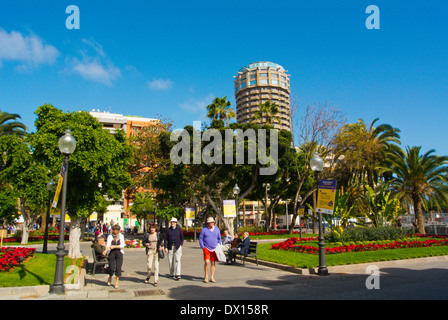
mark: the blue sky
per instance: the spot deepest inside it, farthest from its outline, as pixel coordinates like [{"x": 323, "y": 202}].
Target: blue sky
[{"x": 171, "y": 58}]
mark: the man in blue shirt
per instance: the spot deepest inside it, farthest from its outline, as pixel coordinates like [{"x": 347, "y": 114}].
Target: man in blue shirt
[{"x": 209, "y": 238}]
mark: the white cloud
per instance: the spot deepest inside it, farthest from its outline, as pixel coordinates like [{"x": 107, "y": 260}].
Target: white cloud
[
  {"x": 95, "y": 70},
  {"x": 27, "y": 50},
  {"x": 160, "y": 84},
  {"x": 94, "y": 66},
  {"x": 197, "y": 104}
]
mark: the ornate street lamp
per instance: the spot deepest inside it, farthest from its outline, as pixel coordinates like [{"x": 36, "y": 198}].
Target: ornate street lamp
[
  {"x": 317, "y": 165},
  {"x": 50, "y": 188},
  {"x": 67, "y": 145},
  {"x": 236, "y": 191}
]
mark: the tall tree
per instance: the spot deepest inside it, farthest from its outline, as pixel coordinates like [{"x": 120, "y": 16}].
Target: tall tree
[
  {"x": 10, "y": 126},
  {"x": 97, "y": 167},
  {"x": 314, "y": 128},
  {"x": 221, "y": 109},
  {"x": 26, "y": 177},
  {"x": 419, "y": 179},
  {"x": 361, "y": 149}
]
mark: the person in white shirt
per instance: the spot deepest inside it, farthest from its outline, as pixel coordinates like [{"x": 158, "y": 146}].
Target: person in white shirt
[{"x": 114, "y": 246}]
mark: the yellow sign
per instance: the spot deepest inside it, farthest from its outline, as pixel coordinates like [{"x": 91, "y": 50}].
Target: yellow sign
[
  {"x": 189, "y": 213},
  {"x": 229, "y": 209},
  {"x": 326, "y": 196},
  {"x": 58, "y": 191}
]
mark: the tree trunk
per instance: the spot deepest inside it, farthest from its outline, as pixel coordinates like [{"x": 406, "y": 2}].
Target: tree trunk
[
  {"x": 74, "y": 249},
  {"x": 25, "y": 230},
  {"x": 419, "y": 213}
]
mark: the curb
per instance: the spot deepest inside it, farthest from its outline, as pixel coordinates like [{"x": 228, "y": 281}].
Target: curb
[{"x": 350, "y": 268}]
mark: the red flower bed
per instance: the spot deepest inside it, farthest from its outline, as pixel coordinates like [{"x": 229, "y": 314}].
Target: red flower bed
[
  {"x": 10, "y": 257},
  {"x": 289, "y": 245},
  {"x": 51, "y": 236}
]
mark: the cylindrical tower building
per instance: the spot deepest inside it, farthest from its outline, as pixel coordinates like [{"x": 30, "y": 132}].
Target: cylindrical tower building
[{"x": 257, "y": 83}]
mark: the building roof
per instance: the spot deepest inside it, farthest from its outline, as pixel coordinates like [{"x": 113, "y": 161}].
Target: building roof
[{"x": 262, "y": 64}]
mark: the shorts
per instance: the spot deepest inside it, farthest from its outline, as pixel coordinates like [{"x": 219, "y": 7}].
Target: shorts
[{"x": 210, "y": 255}]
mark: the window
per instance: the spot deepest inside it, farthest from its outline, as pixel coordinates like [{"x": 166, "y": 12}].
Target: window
[
  {"x": 264, "y": 75},
  {"x": 264, "y": 81},
  {"x": 253, "y": 82},
  {"x": 243, "y": 85},
  {"x": 274, "y": 76},
  {"x": 283, "y": 78},
  {"x": 253, "y": 76},
  {"x": 274, "y": 82}
]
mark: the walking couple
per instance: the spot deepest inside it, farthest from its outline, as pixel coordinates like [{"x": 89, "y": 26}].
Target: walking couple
[{"x": 172, "y": 245}]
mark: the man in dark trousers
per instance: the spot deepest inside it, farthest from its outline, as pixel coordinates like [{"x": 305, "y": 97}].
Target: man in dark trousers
[
  {"x": 243, "y": 247},
  {"x": 173, "y": 242}
]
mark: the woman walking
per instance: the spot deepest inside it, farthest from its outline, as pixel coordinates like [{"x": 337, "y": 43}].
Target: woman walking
[
  {"x": 153, "y": 243},
  {"x": 115, "y": 245},
  {"x": 209, "y": 238}
]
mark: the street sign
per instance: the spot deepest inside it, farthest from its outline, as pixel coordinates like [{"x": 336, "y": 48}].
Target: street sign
[
  {"x": 189, "y": 213},
  {"x": 326, "y": 194},
  {"x": 229, "y": 208}
]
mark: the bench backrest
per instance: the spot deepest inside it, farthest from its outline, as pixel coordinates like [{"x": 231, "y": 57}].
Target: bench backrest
[{"x": 253, "y": 247}]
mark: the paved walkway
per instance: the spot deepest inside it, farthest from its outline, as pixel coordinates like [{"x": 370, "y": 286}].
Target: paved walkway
[{"x": 414, "y": 279}]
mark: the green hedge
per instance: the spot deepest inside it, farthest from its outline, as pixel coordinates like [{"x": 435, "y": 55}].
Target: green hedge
[{"x": 369, "y": 234}]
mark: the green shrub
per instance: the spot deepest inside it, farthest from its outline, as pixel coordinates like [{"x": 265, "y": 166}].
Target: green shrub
[{"x": 359, "y": 234}]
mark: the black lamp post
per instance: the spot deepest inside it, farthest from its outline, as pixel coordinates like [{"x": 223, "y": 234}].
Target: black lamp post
[
  {"x": 67, "y": 145},
  {"x": 317, "y": 165},
  {"x": 50, "y": 188},
  {"x": 236, "y": 191}
]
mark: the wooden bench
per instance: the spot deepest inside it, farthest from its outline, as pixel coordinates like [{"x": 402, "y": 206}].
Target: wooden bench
[
  {"x": 97, "y": 262},
  {"x": 253, "y": 249}
]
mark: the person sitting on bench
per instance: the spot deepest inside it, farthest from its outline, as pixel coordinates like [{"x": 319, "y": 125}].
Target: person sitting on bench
[
  {"x": 100, "y": 249},
  {"x": 242, "y": 247}
]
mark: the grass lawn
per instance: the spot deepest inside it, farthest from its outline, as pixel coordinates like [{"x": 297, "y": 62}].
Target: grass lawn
[
  {"x": 305, "y": 260},
  {"x": 38, "y": 270},
  {"x": 282, "y": 236}
]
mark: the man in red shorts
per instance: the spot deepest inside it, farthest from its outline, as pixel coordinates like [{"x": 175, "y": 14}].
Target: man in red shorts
[{"x": 209, "y": 238}]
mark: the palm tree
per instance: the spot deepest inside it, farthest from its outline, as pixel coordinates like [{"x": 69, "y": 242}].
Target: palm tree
[
  {"x": 267, "y": 112},
  {"x": 220, "y": 108},
  {"x": 364, "y": 148},
  {"x": 12, "y": 128},
  {"x": 419, "y": 179},
  {"x": 228, "y": 113}
]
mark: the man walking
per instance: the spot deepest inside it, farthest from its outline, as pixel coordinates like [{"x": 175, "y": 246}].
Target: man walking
[
  {"x": 173, "y": 242},
  {"x": 209, "y": 238}
]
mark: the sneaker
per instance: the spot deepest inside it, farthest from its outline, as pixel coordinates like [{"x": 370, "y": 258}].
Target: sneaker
[{"x": 176, "y": 277}]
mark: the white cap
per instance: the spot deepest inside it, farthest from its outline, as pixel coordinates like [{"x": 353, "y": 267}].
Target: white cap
[{"x": 173, "y": 220}]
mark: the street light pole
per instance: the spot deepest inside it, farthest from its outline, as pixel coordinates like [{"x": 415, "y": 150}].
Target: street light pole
[
  {"x": 236, "y": 191},
  {"x": 67, "y": 145},
  {"x": 195, "y": 200},
  {"x": 317, "y": 165}
]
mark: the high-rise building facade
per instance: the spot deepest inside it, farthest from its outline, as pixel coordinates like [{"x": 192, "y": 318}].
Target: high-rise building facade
[
  {"x": 117, "y": 210},
  {"x": 257, "y": 83}
]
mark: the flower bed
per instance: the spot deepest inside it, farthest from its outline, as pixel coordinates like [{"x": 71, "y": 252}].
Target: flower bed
[
  {"x": 133, "y": 244},
  {"x": 40, "y": 237},
  {"x": 10, "y": 257},
  {"x": 290, "y": 245}
]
